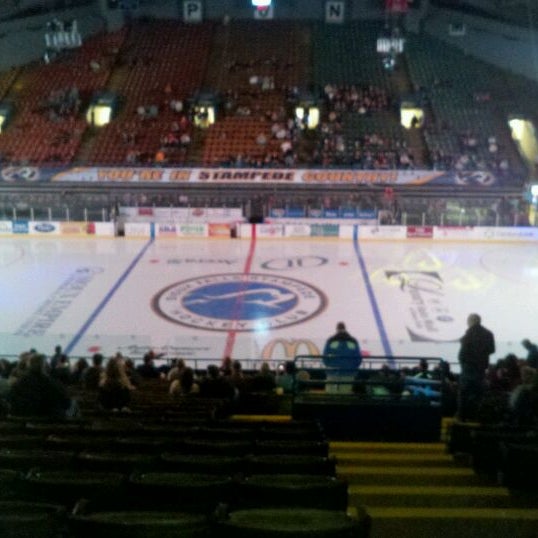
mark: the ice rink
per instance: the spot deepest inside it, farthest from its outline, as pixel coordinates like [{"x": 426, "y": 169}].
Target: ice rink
[{"x": 261, "y": 299}]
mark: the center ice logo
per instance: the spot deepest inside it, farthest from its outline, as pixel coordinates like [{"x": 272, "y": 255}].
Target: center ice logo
[{"x": 239, "y": 302}]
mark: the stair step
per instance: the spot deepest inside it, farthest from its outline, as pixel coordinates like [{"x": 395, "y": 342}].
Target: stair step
[
  {"x": 430, "y": 496},
  {"x": 394, "y": 460},
  {"x": 386, "y": 475},
  {"x": 452, "y": 522},
  {"x": 361, "y": 446}
]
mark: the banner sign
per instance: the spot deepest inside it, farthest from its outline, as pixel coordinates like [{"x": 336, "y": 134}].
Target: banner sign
[
  {"x": 382, "y": 232},
  {"x": 297, "y": 230},
  {"x": 138, "y": 229},
  {"x": 21, "y": 227},
  {"x": 6, "y": 227},
  {"x": 182, "y": 214},
  {"x": 324, "y": 230},
  {"x": 421, "y": 232},
  {"x": 247, "y": 175},
  {"x": 192, "y": 230}
]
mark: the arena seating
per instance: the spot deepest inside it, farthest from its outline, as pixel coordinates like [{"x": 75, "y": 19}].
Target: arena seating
[{"x": 38, "y": 134}]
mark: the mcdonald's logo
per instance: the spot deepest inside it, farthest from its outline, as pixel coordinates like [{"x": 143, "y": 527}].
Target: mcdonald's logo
[{"x": 282, "y": 349}]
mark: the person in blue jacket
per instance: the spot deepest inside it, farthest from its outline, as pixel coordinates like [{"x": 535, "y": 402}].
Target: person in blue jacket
[{"x": 342, "y": 357}]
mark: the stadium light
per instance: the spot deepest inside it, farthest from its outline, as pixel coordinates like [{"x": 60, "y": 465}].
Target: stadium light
[
  {"x": 101, "y": 109},
  {"x": 6, "y": 111}
]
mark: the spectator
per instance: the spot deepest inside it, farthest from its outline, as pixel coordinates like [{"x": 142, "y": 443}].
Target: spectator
[
  {"x": 523, "y": 400},
  {"x": 62, "y": 371},
  {"x": 55, "y": 358},
  {"x": 264, "y": 380},
  {"x": 147, "y": 370},
  {"x": 79, "y": 369},
  {"x": 532, "y": 353},
  {"x": 477, "y": 344},
  {"x": 36, "y": 394},
  {"x": 342, "y": 358},
  {"x": 92, "y": 376},
  {"x": 115, "y": 388},
  {"x": 184, "y": 385},
  {"x": 216, "y": 386},
  {"x": 178, "y": 367}
]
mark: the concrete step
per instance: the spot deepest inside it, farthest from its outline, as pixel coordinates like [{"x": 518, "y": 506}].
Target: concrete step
[
  {"x": 429, "y": 496},
  {"x": 421, "y": 522}
]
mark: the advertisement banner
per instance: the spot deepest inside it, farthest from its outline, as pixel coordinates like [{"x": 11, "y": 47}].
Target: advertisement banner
[
  {"x": 296, "y": 212},
  {"x": 507, "y": 234},
  {"x": 420, "y": 232},
  {"x": 296, "y": 230},
  {"x": 6, "y": 227},
  {"x": 219, "y": 230},
  {"x": 475, "y": 178},
  {"x": 382, "y": 232},
  {"x": 348, "y": 213},
  {"x": 44, "y": 228},
  {"x": 331, "y": 214},
  {"x": 165, "y": 230},
  {"x": 73, "y": 228},
  {"x": 102, "y": 229},
  {"x": 270, "y": 231},
  {"x": 137, "y": 229},
  {"x": 21, "y": 227},
  {"x": 324, "y": 230},
  {"x": 460, "y": 233},
  {"x": 192, "y": 230}
]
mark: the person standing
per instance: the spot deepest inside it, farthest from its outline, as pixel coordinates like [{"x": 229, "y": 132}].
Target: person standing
[
  {"x": 342, "y": 357},
  {"x": 477, "y": 344}
]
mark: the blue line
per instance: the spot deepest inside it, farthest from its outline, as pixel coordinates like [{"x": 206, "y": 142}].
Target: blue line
[
  {"x": 106, "y": 299},
  {"x": 371, "y": 295}
]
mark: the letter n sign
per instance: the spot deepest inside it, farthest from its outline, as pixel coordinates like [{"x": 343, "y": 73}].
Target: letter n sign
[
  {"x": 192, "y": 10},
  {"x": 335, "y": 11}
]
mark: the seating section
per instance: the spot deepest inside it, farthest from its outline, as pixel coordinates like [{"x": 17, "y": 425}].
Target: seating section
[
  {"x": 161, "y": 63},
  {"x": 470, "y": 104},
  {"x": 255, "y": 84},
  {"x": 136, "y": 473},
  {"x": 505, "y": 454},
  {"x": 157, "y": 68},
  {"x": 361, "y": 126},
  {"x": 49, "y": 100}
]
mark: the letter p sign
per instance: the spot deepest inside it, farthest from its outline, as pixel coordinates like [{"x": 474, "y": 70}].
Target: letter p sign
[{"x": 192, "y": 11}]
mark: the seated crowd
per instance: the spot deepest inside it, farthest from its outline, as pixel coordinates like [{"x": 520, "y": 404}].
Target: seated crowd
[{"x": 40, "y": 385}]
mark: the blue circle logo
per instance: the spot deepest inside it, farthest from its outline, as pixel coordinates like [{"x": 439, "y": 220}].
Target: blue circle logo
[{"x": 239, "y": 302}]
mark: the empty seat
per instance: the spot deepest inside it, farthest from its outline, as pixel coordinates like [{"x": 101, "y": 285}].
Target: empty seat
[
  {"x": 36, "y": 520},
  {"x": 272, "y": 523},
  {"x": 140, "y": 525},
  {"x": 307, "y": 491},
  {"x": 189, "y": 492}
]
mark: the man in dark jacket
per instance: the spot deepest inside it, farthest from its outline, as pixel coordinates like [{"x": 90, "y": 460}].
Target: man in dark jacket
[{"x": 477, "y": 344}]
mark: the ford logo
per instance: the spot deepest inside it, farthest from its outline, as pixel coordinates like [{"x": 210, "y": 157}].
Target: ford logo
[{"x": 45, "y": 227}]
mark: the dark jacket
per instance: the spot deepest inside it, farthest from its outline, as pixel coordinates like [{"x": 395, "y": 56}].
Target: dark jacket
[
  {"x": 39, "y": 395},
  {"x": 477, "y": 344}
]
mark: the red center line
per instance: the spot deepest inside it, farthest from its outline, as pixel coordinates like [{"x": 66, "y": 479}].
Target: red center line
[{"x": 232, "y": 333}]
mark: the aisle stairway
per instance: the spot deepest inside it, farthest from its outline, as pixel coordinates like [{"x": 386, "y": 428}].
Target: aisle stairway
[{"x": 419, "y": 490}]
